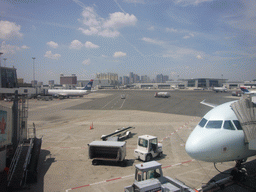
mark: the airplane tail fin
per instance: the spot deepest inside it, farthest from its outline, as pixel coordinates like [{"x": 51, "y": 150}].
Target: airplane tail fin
[
  {"x": 89, "y": 85},
  {"x": 244, "y": 90}
]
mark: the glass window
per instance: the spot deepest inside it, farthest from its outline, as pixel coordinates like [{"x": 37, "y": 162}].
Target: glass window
[
  {"x": 202, "y": 122},
  {"x": 214, "y": 124},
  {"x": 143, "y": 143},
  {"x": 228, "y": 125},
  {"x": 153, "y": 174},
  {"x": 238, "y": 125}
]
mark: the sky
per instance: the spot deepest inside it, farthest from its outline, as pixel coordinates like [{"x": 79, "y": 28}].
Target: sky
[{"x": 179, "y": 38}]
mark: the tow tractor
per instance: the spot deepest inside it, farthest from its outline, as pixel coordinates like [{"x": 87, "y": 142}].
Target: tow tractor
[
  {"x": 149, "y": 177},
  {"x": 148, "y": 148}
]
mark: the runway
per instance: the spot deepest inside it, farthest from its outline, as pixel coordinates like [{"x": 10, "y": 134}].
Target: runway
[{"x": 64, "y": 125}]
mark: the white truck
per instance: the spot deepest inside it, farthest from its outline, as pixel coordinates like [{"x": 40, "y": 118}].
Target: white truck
[
  {"x": 148, "y": 148},
  {"x": 162, "y": 94},
  {"x": 149, "y": 177}
]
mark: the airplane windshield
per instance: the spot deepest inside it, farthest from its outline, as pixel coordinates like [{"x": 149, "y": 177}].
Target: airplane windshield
[
  {"x": 202, "y": 122},
  {"x": 214, "y": 124},
  {"x": 238, "y": 125},
  {"x": 228, "y": 125}
]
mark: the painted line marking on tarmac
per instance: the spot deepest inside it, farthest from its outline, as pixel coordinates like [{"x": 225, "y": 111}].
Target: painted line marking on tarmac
[
  {"x": 118, "y": 178},
  {"x": 183, "y": 126}
]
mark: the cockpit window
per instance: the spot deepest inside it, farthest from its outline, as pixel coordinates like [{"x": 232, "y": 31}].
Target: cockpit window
[
  {"x": 238, "y": 125},
  {"x": 202, "y": 122},
  {"x": 228, "y": 125},
  {"x": 214, "y": 124}
]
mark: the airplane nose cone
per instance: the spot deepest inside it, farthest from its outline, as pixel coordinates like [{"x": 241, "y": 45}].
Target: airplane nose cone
[
  {"x": 198, "y": 145},
  {"x": 192, "y": 148}
]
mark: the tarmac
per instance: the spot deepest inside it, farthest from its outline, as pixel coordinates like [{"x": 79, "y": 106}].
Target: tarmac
[{"x": 68, "y": 125}]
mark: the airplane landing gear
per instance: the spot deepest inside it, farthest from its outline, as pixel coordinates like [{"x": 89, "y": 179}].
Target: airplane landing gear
[{"x": 239, "y": 172}]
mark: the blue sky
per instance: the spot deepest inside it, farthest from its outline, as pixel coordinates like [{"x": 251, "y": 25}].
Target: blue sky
[{"x": 179, "y": 38}]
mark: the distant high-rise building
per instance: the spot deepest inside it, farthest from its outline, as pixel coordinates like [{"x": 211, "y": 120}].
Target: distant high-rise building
[
  {"x": 51, "y": 82},
  {"x": 159, "y": 78},
  {"x": 131, "y": 78},
  {"x": 112, "y": 78},
  {"x": 145, "y": 79},
  {"x": 165, "y": 78},
  {"x": 125, "y": 80},
  {"x": 34, "y": 83}
]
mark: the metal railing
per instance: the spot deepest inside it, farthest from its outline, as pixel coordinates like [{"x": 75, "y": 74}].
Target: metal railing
[
  {"x": 27, "y": 160},
  {"x": 14, "y": 162}
]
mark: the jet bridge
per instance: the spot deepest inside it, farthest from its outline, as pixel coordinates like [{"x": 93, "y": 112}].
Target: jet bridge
[{"x": 245, "y": 110}]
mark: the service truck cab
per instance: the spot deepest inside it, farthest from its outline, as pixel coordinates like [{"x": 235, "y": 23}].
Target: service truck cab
[{"x": 147, "y": 148}]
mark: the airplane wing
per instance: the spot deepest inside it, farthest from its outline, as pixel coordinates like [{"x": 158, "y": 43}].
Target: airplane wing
[{"x": 208, "y": 104}]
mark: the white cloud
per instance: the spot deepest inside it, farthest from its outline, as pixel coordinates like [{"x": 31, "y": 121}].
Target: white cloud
[
  {"x": 87, "y": 62},
  {"x": 134, "y": 1},
  {"x": 24, "y": 47},
  {"x": 172, "y": 30},
  {"x": 8, "y": 49},
  {"x": 52, "y": 44},
  {"x": 96, "y": 25},
  {"x": 199, "y": 57},
  {"x": 177, "y": 52},
  {"x": 89, "y": 44},
  {"x": 109, "y": 33},
  {"x": 76, "y": 45},
  {"x": 119, "y": 19},
  {"x": 191, "y": 2},
  {"x": 152, "y": 28},
  {"x": 186, "y": 37},
  {"x": 119, "y": 54},
  {"x": 90, "y": 31},
  {"x": 9, "y": 30},
  {"x": 153, "y": 41},
  {"x": 49, "y": 55}
]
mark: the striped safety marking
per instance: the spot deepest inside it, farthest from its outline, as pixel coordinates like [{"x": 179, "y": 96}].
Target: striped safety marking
[
  {"x": 118, "y": 178},
  {"x": 183, "y": 126}
]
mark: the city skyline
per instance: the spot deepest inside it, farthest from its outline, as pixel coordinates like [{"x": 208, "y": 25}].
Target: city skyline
[{"x": 178, "y": 38}]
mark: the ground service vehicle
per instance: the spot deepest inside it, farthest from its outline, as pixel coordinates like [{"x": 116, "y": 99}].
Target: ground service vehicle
[
  {"x": 107, "y": 151},
  {"x": 149, "y": 177},
  {"x": 119, "y": 134},
  {"x": 162, "y": 94},
  {"x": 148, "y": 148}
]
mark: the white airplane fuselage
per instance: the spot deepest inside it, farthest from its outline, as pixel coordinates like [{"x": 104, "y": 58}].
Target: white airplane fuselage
[
  {"x": 219, "y": 138},
  {"x": 66, "y": 92}
]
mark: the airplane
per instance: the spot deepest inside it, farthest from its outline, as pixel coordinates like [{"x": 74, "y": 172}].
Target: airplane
[
  {"x": 66, "y": 93},
  {"x": 246, "y": 91},
  {"x": 219, "y": 89},
  {"x": 219, "y": 137}
]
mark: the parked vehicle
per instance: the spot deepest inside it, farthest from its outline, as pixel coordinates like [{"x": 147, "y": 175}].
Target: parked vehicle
[
  {"x": 114, "y": 151},
  {"x": 162, "y": 94},
  {"x": 149, "y": 177},
  {"x": 148, "y": 148}
]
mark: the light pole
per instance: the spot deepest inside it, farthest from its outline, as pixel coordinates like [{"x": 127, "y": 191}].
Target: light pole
[
  {"x": 33, "y": 71},
  {"x": 0, "y": 58},
  {"x": 5, "y": 62},
  {"x": 222, "y": 79}
]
